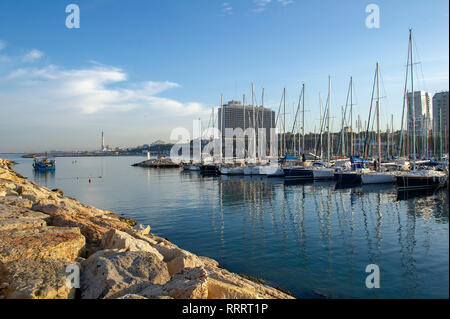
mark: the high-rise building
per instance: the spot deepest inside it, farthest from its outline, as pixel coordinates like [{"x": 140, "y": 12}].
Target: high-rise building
[
  {"x": 235, "y": 115},
  {"x": 103, "y": 142},
  {"x": 440, "y": 113},
  {"x": 422, "y": 110}
]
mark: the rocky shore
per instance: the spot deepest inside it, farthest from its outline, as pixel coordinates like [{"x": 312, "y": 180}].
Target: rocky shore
[{"x": 46, "y": 238}]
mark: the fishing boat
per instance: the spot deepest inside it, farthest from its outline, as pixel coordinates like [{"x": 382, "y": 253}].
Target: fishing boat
[{"x": 44, "y": 164}]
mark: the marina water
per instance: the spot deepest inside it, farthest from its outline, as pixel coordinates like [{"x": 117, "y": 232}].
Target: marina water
[{"x": 311, "y": 239}]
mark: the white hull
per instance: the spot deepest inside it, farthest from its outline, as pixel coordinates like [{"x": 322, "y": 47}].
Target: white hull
[
  {"x": 377, "y": 178},
  {"x": 256, "y": 170},
  {"x": 271, "y": 171},
  {"x": 323, "y": 173},
  {"x": 248, "y": 170},
  {"x": 232, "y": 170}
]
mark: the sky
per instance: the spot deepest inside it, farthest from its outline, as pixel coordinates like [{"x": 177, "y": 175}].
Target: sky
[{"x": 138, "y": 69}]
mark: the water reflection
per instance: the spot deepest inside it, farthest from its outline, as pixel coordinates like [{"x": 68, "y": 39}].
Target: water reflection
[
  {"x": 334, "y": 233},
  {"x": 44, "y": 178}
]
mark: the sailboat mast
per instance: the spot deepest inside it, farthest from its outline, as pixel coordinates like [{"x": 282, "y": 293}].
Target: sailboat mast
[
  {"x": 244, "y": 108},
  {"x": 221, "y": 127},
  {"x": 440, "y": 133},
  {"x": 413, "y": 104},
  {"x": 343, "y": 132},
  {"x": 254, "y": 121},
  {"x": 351, "y": 116},
  {"x": 262, "y": 124},
  {"x": 328, "y": 119},
  {"x": 321, "y": 124},
  {"x": 284, "y": 121},
  {"x": 378, "y": 117},
  {"x": 303, "y": 120},
  {"x": 392, "y": 134}
]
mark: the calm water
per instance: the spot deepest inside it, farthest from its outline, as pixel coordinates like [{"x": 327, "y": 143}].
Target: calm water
[{"x": 310, "y": 239}]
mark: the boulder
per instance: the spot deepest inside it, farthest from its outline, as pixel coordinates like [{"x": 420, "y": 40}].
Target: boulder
[
  {"x": 225, "y": 285},
  {"x": 177, "y": 259},
  {"x": 115, "y": 239},
  {"x": 43, "y": 242},
  {"x": 114, "y": 273},
  {"x": 14, "y": 217},
  {"x": 182, "y": 261},
  {"x": 16, "y": 201},
  {"x": 189, "y": 284},
  {"x": 58, "y": 191},
  {"x": 142, "y": 230},
  {"x": 36, "y": 278}
]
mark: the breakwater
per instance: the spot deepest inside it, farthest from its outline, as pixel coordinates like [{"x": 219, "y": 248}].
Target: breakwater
[{"x": 43, "y": 232}]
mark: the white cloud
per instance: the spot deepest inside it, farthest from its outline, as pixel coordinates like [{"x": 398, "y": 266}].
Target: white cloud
[
  {"x": 227, "y": 9},
  {"x": 33, "y": 55},
  {"x": 285, "y": 2},
  {"x": 91, "y": 90},
  {"x": 261, "y": 5},
  {"x": 2, "y": 45}
]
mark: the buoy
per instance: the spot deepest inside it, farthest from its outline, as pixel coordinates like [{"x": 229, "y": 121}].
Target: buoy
[{"x": 89, "y": 180}]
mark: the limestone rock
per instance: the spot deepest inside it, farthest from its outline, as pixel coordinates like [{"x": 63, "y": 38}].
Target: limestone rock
[
  {"x": 189, "y": 284},
  {"x": 183, "y": 261},
  {"x": 225, "y": 285},
  {"x": 36, "y": 278},
  {"x": 115, "y": 239},
  {"x": 112, "y": 274},
  {"x": 177, "y": 259},
  {"x": 142, "y": 230},
  {"x": 59, "y": 192},
  {"x": 43, "y": 242},
  {"x": 132, "y": 296},
  {"x": 136, "y": 234},
  {"x": 16, "y": 201},
  {"x": 13, "y": 217}
]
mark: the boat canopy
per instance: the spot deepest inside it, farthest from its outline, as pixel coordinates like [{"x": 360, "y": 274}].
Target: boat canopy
[{"x": 288, "y": 158}]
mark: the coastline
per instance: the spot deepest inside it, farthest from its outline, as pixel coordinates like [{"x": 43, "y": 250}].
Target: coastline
[{"x": 43, "y": 233}]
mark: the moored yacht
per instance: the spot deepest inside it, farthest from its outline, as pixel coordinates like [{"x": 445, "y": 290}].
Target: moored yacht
[
  {"x": 296, "y": 172},
  {"x": 378, "y": 177},
  {"x": 421, "y": 179}
]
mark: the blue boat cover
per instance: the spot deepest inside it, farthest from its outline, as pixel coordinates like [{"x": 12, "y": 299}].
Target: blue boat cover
[{"x": 288, "y": 158}]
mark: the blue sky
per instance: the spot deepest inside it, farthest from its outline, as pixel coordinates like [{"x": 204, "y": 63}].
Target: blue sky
[{"x": 138, "y": 69}]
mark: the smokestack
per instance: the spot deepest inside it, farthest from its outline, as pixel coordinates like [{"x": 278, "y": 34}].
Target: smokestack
[{"x": 103, "y": 141}]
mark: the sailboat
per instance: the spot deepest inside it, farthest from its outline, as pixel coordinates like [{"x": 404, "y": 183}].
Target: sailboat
[
  {"x": 418, "y": 179},
  {"x": 378, "y": 177}
]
